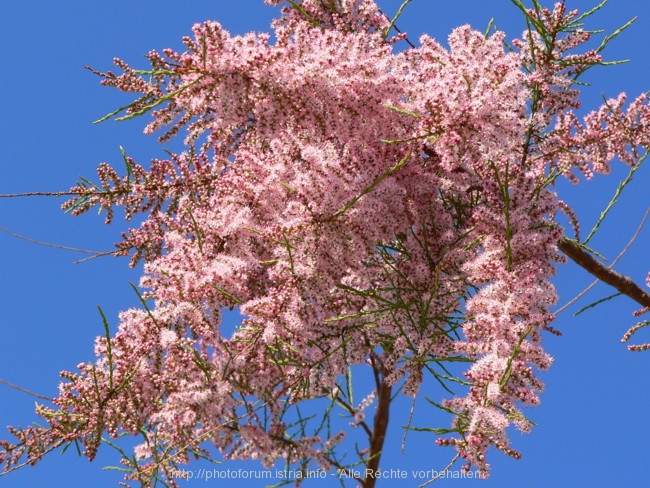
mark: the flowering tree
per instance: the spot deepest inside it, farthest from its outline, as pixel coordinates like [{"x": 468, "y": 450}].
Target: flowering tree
[{"x": 365, "y": 207}]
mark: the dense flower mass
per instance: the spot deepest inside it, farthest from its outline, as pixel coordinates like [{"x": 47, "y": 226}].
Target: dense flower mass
[{"x": 360, "y": 205}]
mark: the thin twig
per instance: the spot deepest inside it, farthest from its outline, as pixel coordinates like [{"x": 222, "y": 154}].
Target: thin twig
[
  {"x": 31, "y": 462},
  {"x": 441, "y": 473},
  {"x": 614, "y": 200},
  {"x": 56, "y": 246},
  {"x": 392, "y": 23},
  {"x": 40, "y": 194},
  {"x": 352, "y": 411},
  {"x": 621, "y": 254},
  {"x": 408, "y": 424},
  {"x": 16, "y": 387}
]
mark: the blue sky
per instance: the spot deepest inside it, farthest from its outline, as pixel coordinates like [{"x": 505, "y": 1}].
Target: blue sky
[{"x": 592, "y": 425}]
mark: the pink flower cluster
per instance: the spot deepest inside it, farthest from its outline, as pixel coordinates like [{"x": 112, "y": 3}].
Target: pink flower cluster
[{"x": 358, "y": 205}]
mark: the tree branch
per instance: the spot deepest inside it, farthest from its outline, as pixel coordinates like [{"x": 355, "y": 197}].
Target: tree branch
[
  {"x": 379, "y": 430},
  {"x": 622, "y": 283},
  {"x": 43, "y": 397},
  {"x": 40, "y": 194},
  {"x": 56, "y": 246},
  {"x": 611, "y": 265}
]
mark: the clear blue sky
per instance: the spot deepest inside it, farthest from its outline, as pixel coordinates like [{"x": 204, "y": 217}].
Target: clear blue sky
[{"x": 592, "y": 425}]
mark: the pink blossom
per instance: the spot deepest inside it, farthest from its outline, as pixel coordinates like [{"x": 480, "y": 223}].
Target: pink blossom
[{"x": 359, "y": 206}]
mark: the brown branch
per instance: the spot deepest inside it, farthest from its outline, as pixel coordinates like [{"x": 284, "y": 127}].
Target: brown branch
[
  {"x": 43, "y": 397},
  {"x": 56, "y": 246},
  {"x": 352, "y": 412},
  {"x": 622, "y": 283},
  {"x": 379, "y": 430},
  {"x": 393, "y": 26},
  {"x": 620, "y": 255},
  {"x": 40, "y": 194}
]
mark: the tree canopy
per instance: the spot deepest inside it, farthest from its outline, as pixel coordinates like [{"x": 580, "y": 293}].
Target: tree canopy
[{"x": 369, "y": 205}]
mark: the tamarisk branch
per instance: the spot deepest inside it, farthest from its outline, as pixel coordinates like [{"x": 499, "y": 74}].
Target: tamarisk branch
[{"x": 622, "y": 283}]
